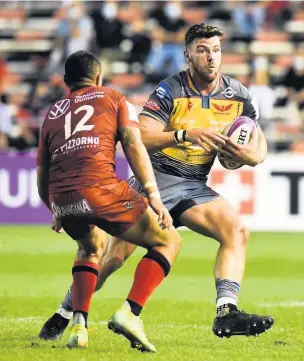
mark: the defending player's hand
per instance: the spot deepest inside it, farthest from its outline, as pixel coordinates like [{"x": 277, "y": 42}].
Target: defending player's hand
[
  {"x": 56, "y": 225},
  {"x": 205, "y": 138},
  {"x": 246, "y": 154},
  {"x": 164, "y": 219}
]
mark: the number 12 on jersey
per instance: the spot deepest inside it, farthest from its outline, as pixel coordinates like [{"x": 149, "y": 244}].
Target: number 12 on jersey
[{"x": 81, "y": 125}]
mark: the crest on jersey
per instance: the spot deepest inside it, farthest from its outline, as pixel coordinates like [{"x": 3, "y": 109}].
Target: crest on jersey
[
  {"x": 59, "y": 108},
  {"x": 222, "y": 108},
  {"x": 128, "y": 205},
  {"x": 228, "y": 92}
]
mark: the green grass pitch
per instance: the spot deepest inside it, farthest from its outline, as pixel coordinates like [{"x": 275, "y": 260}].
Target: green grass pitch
[{"x": 35, "y": 268}]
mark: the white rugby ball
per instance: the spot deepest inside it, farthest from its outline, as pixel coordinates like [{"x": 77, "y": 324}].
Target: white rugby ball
[{"x": 239, "y": 132}]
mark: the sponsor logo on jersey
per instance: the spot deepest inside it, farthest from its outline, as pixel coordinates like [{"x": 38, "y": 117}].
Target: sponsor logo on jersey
[
  {"x": 75, "y": 144},
  {"x": 88, "y": 96},
  {"x": 162, "y": 90},
  {"x": 222, "y": 108},
  {"x": 152, "y": 104},
  {"x": 229, "y": 92},
  {"x": 76, "y": 209},
  {"x": 59, "y": 108},
  {"x": 219, "y": 125}
]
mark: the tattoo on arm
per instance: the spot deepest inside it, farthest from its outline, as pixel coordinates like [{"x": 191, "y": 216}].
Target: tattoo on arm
[{"x": 128, "y": 136}]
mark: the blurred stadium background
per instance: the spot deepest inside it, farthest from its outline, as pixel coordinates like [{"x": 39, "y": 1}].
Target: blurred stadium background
[{"x": 140, "y": 43}]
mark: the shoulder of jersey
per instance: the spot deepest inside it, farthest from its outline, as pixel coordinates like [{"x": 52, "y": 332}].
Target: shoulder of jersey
[
  {"x": 233, "y": 88},
  {"x": 58, "y": 108},
  {"x": 170, "y": 86},
  {"x": 109, "y": 91}
]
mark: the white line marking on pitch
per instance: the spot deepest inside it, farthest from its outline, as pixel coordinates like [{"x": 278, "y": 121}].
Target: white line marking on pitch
[
  {"x": 103, "y": 323},
  {"x": 166, "y": 325},
  {"x": 287, "y": 304},
  {"x": 21, "y": 319}
]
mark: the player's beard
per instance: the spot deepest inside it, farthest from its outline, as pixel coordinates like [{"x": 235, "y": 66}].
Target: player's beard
[{"x": 205, "y": 75}]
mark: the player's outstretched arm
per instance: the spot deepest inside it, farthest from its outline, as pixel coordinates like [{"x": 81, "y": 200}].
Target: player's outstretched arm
[
  {"x": 137, "y": 155},
  {"x": 139, "y": 161},
  {"x": 153, "y": 134},
  {"x": 156, "y": 138}
]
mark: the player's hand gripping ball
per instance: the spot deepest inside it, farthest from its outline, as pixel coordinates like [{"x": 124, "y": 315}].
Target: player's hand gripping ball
[{"x": 239, "y": 132}]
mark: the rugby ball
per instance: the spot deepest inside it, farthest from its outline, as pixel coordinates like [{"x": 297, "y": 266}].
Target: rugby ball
[{"x": 239, "y": 132}]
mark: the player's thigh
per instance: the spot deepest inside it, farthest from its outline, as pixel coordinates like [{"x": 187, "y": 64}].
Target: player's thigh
[
  {"x": 216, "y": 219},
  {"x": 146, "y": 232},
  {"x": 89, "y": 238},
  {"x": 93, "y": 242},
  {"x": 122, "y": 212}
]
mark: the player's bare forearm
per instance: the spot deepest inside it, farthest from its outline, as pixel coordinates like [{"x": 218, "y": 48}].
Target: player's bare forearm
[
  {"x": 140, "y": 163},
  {"x": 43, "y": 186},
  {"x": 262, "y": 145},
  {"x": 137, "y": 156},
  {"x": 153, "y": 135},
  {"x": 155, "y": 141}
]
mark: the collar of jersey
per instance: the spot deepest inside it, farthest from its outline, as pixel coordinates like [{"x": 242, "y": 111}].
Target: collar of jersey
[{"x": 205, "y": 98}]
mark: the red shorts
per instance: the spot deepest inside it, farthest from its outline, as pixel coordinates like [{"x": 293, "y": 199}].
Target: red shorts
[{"x": 114, "y": 208}]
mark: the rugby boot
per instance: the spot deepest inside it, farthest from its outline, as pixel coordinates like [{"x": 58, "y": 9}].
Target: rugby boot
[
  {"x": 241, "y": 323},
  {"x": 124, "y": 322},
  {"x": 53, "y": 328},
  {"x": 78, "y": 336}
]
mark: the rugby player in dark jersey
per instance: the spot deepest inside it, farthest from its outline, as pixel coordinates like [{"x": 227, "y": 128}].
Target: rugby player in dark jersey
[{"x": 182, "y": 123}]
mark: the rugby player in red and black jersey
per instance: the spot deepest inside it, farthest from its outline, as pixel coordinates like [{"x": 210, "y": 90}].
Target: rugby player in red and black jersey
[{"x": 181, "y": 127}]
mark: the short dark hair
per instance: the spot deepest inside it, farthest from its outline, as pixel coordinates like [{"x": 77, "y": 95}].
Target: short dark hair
[
  {"x": 81, "y": 67},
  {"x": 202, "y": 30}
]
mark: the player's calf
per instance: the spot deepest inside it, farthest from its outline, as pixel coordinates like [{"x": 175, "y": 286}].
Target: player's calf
[
  {"x": 85, "y": 273},
  {"x": 116, "y": 253},
  {"x": 114, "y": 257},
  {"x": 163, "y": 247}
]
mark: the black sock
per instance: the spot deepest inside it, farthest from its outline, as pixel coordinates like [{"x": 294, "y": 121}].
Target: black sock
[{"x": 135, "y": 307}]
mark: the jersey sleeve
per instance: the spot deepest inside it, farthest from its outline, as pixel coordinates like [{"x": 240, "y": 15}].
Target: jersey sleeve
[
  {"x": 160, "y": 103},
  {"x": 43, "y": 154},
  {"x": 251, "y": 108},
  {"x": 127, "y": 115}
]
